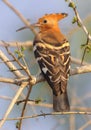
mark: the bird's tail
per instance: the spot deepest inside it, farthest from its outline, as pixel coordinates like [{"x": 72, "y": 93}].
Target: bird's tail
[{"x": 61, "y": 103}]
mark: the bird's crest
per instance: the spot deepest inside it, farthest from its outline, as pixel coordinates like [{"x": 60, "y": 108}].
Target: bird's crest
[{"x": 55, "y": 16}]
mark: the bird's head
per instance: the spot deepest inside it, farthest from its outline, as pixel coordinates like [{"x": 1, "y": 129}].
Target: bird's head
[{"x": 48, "y": 21}]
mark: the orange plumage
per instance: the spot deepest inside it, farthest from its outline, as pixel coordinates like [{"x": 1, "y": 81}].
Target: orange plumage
[{"x": 52, "y": 52}]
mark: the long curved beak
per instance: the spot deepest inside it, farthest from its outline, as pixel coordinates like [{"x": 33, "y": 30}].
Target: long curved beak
[{"x": 22, "y": 28}]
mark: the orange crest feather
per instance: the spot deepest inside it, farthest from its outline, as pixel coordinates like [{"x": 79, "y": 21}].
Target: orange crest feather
[{"x": 55, "y": 16}]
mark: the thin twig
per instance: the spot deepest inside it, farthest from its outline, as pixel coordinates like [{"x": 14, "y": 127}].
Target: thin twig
[
  {"x": 51, "y": 114},
  {"x": 24, "y": 61},
  {"x": 85, "y": 50},
  {"x": 24, "y": 106}
]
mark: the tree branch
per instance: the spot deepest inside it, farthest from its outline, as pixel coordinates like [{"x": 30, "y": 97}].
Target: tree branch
[
  {"x": 80, "y": 70},
  {"x": 50, "y": 114},
  {"x": 24, "y": 106},
  {"x": 7, "y": 80},
  {"x": 16, "y": 43}
]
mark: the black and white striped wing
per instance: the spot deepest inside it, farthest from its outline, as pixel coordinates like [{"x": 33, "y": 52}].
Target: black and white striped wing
[{"x": 54, "y": 64}]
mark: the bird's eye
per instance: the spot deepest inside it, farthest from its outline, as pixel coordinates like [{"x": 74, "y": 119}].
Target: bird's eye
[{"x": 45, "y": 21}]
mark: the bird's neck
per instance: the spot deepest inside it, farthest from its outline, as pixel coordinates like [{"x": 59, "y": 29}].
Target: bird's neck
[
  {"x": 52, "y": 36},
  {"x": 54, "y": 31}
]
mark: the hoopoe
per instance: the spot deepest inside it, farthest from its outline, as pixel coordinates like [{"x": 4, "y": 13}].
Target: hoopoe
[{"x": 52, "y": 52}]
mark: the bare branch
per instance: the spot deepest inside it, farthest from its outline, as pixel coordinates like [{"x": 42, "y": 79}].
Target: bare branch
[
  {"x": 22, "y": 79},
  {"x": 50, "y": 114},
  {"x": 81, "y": 70},
  {"x": 24, "y": 106},
  {"x": 87, "y": 42},
  {"x": 7, "y": 80},
  {"x": 16, "y": 43}
]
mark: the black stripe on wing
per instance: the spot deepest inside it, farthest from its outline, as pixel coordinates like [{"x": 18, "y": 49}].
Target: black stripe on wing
[{"x": 54, "y": 64}]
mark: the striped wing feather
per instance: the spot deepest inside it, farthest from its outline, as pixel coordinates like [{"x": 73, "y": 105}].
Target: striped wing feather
[{"x": 54, "y": 63}]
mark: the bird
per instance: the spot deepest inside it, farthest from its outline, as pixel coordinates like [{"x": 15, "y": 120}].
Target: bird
[{"x": 52, "y": 52}]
